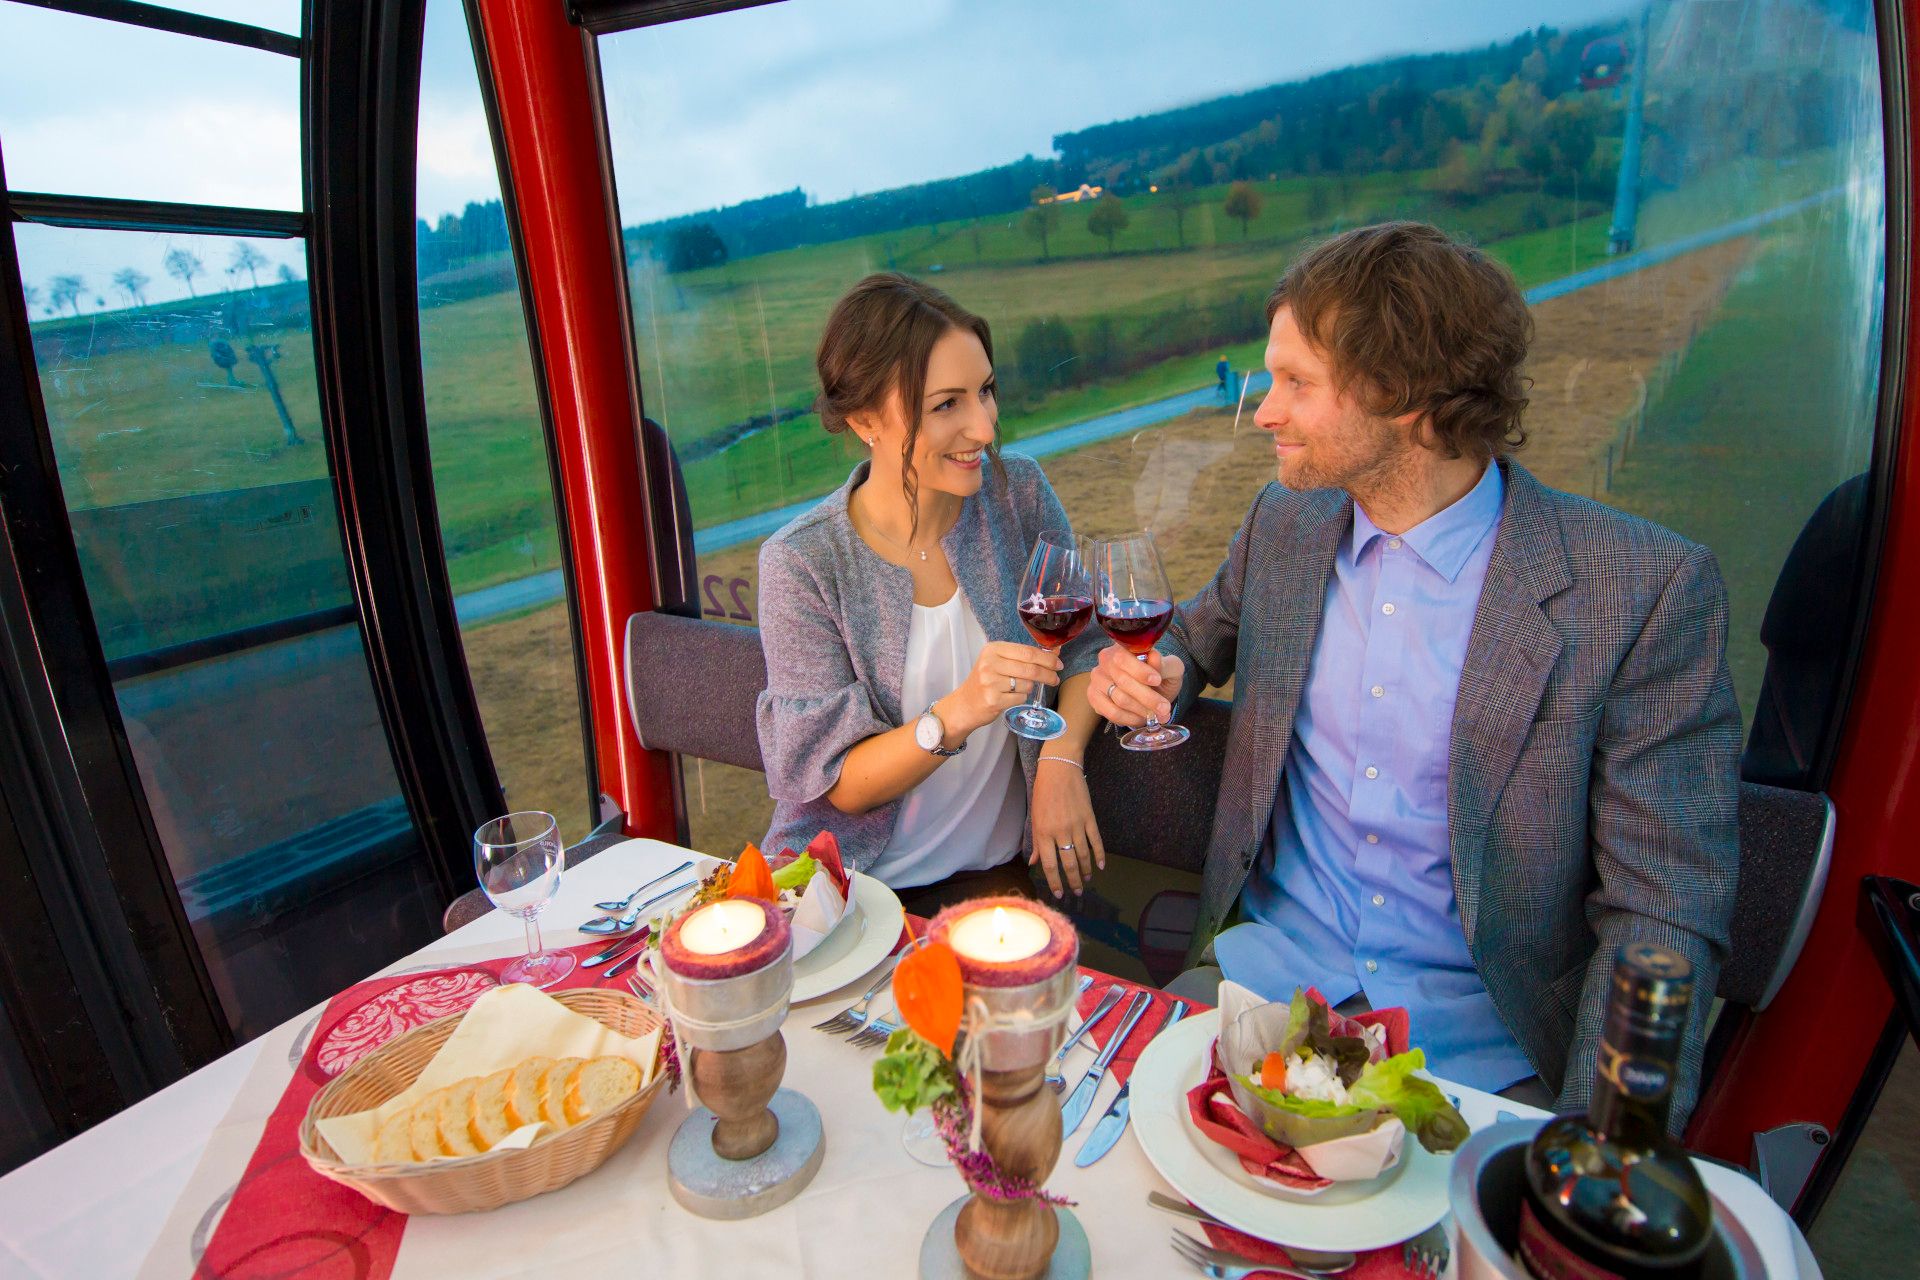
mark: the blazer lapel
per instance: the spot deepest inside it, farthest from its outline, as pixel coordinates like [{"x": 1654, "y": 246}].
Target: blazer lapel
[
  {"x": 1510, "y": 656},
  {"x": 1290, "y": 590}
]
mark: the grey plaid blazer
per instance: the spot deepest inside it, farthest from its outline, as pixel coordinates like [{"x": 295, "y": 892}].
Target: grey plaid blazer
[{"x": 1593, "y": 773}]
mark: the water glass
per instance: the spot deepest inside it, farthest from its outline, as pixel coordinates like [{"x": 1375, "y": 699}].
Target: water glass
[{"x": 518, "y": 860}]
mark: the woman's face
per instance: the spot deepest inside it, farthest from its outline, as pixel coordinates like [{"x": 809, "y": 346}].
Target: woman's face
[{"x": 958, "y": 417}]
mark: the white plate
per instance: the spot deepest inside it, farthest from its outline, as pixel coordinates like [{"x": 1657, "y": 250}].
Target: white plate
[
  {"x": 1346, "y": 1217},
  {"x": 862, "y": 939}
]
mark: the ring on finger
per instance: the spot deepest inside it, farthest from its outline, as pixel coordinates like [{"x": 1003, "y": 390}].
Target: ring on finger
[
  {"x": 1111, "y": 686},
  {"x": 1012, "y": 684},
  {"x": 1063, "y": 847}
]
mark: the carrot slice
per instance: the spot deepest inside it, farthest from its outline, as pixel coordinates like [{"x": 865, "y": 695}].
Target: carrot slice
[
  {"x": 751, "y": 878},
  {"x": 1273, "y": 1072}
]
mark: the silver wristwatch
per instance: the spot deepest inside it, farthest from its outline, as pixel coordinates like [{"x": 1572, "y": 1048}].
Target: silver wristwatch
[{"x": 929, "y": 733}]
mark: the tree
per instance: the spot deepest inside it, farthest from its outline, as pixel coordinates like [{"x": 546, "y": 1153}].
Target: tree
[
  {"x": 1108, "y": 219},
  {"x": 1042, "y": 217},
  {"x": 249, "y": 259},
  {"x": 693, "y": 246},
  {"x": 1044, "y": 354},
  {"x": 32, "y": 296},
  {"x": 184, "y": 266},
  {"x": 64, "y": 291},
  {"x": 133, "y": 283},
  {"x": 1179, "y": 197},
  {"x": 1243, "y": 203},
  {"x": 286, "y": 275}
]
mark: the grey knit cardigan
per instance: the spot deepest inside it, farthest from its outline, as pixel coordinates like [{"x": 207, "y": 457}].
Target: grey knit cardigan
[{"x": 834, "y": 618}]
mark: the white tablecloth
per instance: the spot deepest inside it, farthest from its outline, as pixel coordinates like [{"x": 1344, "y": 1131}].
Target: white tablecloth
[{"x": 97, "y": 1206}]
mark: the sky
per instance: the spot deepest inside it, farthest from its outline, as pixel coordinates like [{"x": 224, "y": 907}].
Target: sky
[{"x": 834, "y": 96}]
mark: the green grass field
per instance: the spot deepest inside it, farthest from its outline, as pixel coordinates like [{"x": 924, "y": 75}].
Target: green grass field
[{"x": 720, "y": 345}]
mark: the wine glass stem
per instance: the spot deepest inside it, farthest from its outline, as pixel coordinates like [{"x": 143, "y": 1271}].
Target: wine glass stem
[
  {"x": 1153, "y": 722},
  {"x": 532, "y": 921},
  {"x": 1034, "y": 699}
]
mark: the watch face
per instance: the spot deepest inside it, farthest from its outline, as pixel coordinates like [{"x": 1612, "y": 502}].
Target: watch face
[{"x": 927, "y": 732}]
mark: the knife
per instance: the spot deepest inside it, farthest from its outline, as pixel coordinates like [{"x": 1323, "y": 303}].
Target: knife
[
  {"x": 639, "y": 935},
  {"x": 1114, "y": 1122},
  {"x": 1082, "y": 1100}
]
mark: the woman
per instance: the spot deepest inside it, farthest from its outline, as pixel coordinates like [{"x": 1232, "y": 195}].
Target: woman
[{"x": 888, "y": 618}]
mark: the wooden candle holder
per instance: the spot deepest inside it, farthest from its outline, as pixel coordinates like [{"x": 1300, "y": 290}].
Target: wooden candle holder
[
  {"x": 736, "y": 1085},
  {"x": 1020, "y": 1129}
]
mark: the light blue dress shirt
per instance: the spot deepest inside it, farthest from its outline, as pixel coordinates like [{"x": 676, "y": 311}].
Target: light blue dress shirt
[{"x": 1353, "y": 891}]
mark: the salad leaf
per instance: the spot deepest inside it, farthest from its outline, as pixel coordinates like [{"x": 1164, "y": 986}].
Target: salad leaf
[
  {"x": 1418, "y": 1102},
  {"x": 1308, "y": 1030},
  {"x": 912, "y": 1074},
  {"x": 796, "y": 873}
]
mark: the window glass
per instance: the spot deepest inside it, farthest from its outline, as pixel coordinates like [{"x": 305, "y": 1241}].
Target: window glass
[
  {"x": 274, "y": 15},
  {"x": 491, "y": 477},
  {"x": 1873, "y": 1211},
  {"x": 97, "y": 108},
  {"x": 1690, "y": 193},
  {"x": 185, "y": 423}
]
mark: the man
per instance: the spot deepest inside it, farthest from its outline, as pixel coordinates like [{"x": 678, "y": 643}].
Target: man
[{"x": 1483, "y": 731}]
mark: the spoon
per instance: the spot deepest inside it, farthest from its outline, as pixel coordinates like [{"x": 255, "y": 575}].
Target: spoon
[
  {"x": 1319, "y": 1264},
  {"x": 619, "y": 924},
  {"x": 623, "y": 903}
]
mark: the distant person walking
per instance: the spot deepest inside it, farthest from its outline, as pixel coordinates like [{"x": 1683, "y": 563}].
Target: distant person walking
[{"x": 1221, "y": 372}]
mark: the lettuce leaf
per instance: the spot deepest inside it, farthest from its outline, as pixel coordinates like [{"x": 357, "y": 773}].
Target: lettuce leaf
[
  {"x": 1391, "y": 1085},
  {"x": 912, "y": 1074},
  {"x": 796, "y": 873},
  {"x": 1309, "y": 1029}
]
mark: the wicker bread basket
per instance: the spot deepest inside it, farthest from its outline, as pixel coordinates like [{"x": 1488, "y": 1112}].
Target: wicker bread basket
[{"x": 494, "y": 1178}]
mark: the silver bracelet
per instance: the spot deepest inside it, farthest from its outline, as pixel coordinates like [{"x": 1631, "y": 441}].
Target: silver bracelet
[{"x": 1063, "y": 760}]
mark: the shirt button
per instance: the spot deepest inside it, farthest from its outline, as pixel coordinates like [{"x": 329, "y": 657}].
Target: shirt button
[
  {"x": 1379, "y": 899},
  {"x": 1394, "y": 543},
  {"x": 1372, "y": 838},
  {"x": 1378, "y": 692},
  {"x": 1387, "y": 609},
  {"x": 1373, "y": 967},
  {"x": 1372, "y": 772}
]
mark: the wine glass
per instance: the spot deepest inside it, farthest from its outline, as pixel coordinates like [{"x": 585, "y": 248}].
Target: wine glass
[
  {"x": 1135, "y": 606},
  {"x": 1056, "y": 603},
  {"x": 519, "y": 859}
]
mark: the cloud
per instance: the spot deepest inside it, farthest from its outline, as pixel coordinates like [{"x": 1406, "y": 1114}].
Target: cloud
[{"x": 196, "y": 151}]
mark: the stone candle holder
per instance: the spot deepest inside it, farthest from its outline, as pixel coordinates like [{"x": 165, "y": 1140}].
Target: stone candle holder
[
  {"x": 752, "y": 1146},
  {"x": 1027, "y": 1003}
]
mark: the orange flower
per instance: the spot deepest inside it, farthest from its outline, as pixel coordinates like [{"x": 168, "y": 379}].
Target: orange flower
[
  {"x": 931, "y": 994},
  {"x": 751, "y": 878}
]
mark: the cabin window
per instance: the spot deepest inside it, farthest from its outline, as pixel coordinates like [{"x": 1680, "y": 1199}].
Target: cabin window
[
  {"x": 491, "y": 480},
  {"x": 1116, "y": 194}
]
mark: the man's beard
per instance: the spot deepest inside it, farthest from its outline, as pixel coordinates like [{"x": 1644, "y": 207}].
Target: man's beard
[{"x": 1376, "y": 463}]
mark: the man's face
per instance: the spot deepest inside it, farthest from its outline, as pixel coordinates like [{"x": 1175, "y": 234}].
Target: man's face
[{"x": 1323, "y": 438}]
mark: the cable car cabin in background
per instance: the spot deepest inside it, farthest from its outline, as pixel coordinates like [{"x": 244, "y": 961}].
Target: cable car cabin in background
[{"x": 394, "y": 397}]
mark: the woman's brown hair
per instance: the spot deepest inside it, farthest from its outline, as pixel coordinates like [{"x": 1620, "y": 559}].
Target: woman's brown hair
[
  {"x": 1418, "y": 323},
  {"x": 878, "y": 339}
]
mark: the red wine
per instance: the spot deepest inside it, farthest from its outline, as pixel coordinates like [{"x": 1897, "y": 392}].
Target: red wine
[
  {"x": 1055, "y": 620},
  {"x": 1136, "y": 624}
]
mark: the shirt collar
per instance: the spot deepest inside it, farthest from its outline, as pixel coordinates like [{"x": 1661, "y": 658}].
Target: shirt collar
[{"x": 1446, "y": 539}]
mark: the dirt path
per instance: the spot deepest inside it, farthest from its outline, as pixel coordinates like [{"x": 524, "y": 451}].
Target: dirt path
[{"x": 1190, "y": 481}]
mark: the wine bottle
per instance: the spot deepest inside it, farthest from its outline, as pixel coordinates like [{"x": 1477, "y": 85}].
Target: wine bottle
[{"x": 1608, "y": 1195}]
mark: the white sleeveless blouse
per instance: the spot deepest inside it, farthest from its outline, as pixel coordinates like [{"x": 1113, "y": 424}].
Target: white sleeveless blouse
[{"x": 970, "y": 815}]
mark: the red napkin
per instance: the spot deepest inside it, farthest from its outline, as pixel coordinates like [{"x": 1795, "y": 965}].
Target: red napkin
[
  {"x": 1381, "y": 1264},
  {"x": 1145, "y": 1030},
  {"x": 825, "y": 849}
]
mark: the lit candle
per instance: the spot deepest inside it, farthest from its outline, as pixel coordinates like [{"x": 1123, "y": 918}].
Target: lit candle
[
  {"x": 726, "y": 939},
  {"x": 999, "y": 934},
  {"x": 723, "y": 926}
]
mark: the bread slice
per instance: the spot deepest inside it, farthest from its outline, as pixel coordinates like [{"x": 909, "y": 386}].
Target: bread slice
[
  {"x": 393, "y": 1142},
  {"x": 453, "y": 1115},
  {"x": 598, "y": 1084},
  {"x": 423, "y": 1126},
  {"x": 523, "y": 1092},
  {"x": 553, "y": 1091},
  {"x": 487, "y": 1115}
]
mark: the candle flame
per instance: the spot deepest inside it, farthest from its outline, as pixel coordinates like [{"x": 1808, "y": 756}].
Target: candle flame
[{"x": 1000, "y": 923}]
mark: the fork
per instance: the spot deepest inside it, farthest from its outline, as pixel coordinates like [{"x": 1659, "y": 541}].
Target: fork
[
  {"x": 1218, "y": 1264},
  {"x": 638, "y": 985},
  {"x": 873, "y": 1034},
  {"x": 854, "y": 1017},
  {"x": 1427, "y": 1254}
]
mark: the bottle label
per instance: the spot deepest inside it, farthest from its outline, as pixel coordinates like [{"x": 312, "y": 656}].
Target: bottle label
[
  {"x": 1636, "y": 1076},
  {"x": 1547, "y": 1258}
]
